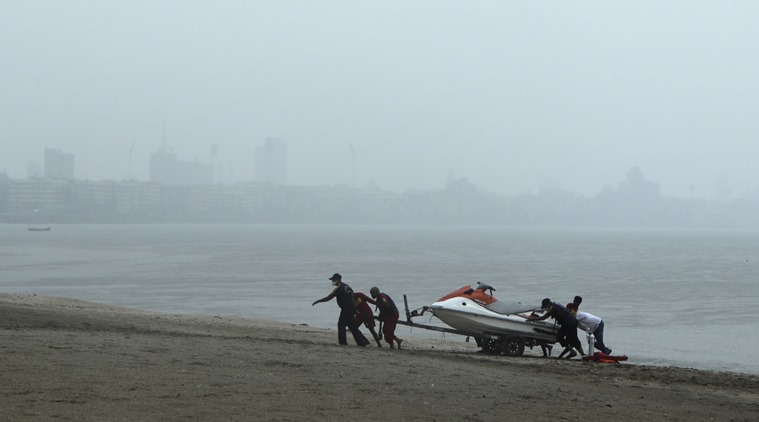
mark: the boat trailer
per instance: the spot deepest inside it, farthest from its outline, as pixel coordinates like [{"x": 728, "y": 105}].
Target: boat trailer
[{"x": 495, "y": 343}]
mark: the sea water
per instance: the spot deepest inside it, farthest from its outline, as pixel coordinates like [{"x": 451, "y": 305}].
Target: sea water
[{"x": 684, "y": 298}]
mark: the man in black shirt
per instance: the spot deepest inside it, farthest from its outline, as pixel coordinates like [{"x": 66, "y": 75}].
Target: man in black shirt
[
  {"x": 567, "y": 335},
  {"x": 344, "y": 295}
]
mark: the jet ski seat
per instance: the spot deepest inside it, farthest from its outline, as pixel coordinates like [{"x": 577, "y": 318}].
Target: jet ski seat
[{"x": 509, "y": 308}]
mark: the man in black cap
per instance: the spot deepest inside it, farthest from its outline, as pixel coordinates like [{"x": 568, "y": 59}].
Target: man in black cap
[
  {"x": 567, "y": 335},
  {"x": 344, "y": 295}
]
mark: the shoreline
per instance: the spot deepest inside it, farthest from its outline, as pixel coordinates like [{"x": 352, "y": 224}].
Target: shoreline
[{"x": 75, "y": 360}]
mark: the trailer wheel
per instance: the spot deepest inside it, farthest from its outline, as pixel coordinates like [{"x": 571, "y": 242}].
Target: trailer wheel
[
  {"x": 513, "y": 346},
  {"x": 490, "y": 346}
]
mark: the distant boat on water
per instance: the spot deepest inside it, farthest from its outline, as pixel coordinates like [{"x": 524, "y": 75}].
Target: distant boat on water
[{"x": 39, "y": 229}]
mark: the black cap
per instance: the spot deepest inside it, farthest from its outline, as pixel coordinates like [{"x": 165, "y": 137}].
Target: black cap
[
  {"x": 336, "y": 276},
  {"x": 546, "y": 303}
]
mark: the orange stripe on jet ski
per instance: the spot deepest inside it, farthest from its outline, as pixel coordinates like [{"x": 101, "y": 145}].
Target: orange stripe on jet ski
[{"x": 476, "y": 294}]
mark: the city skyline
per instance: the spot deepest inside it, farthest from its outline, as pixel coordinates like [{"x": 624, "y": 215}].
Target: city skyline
[
  {"x": 211, "y": 172},
  {"x": 515, "y": 97},
  {"x": 636, "y": 202}
]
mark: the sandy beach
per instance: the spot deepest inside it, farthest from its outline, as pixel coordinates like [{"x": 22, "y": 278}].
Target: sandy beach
[{"x": 65, "y": 359}]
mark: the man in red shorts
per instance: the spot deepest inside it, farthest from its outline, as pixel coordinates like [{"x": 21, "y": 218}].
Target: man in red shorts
[
  {"x": 388, "y": 315},
  {"x": 364, "y": 315}
]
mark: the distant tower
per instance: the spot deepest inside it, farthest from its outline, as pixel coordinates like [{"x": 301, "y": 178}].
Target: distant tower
[
  {"x": 214, "y": 154},
  {"x": 163, "y": 166},
  {"x": 131, "y": 147},
  {"x": 271, "y": 162},
  {"x": 58, "y": 165},
  {"x": 163, "y": 136},
  {"x": 166, "y": 169},
  {"x": 33, "y": 170}
]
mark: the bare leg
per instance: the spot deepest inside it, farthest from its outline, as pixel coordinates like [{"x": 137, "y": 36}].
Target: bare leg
[{"x": 377, "y": 338}]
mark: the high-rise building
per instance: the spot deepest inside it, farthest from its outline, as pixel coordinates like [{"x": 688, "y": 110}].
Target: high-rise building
[
  {"x": 167, "y": 170},
  {"x": 58, "y": 165},
  {"x": 271, "y": 162},
  {"x": 33, "y": 170}
]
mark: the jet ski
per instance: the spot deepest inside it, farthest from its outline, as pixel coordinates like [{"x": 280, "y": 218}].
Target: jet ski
[{"x": 497, "y": 326}]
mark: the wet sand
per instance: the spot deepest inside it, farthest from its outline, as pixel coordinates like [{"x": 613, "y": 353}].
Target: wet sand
[{"x": 63, "y": 359}]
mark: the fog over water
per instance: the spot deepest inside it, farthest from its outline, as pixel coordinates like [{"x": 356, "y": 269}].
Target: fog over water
[{"x": 513, "y": 96}]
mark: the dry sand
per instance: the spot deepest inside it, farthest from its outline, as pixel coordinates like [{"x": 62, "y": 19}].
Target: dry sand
[{"x": 65, "y": 359}]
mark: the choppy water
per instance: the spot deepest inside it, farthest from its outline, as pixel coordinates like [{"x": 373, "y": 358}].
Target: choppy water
[{"x": 682, "y": 298}]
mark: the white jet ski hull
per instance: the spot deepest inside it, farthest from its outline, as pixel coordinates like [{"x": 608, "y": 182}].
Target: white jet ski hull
[{"x": 469, "y": 316}]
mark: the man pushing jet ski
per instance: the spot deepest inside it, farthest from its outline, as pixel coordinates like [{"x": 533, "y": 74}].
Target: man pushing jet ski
[{"x": 567, "y": 334}]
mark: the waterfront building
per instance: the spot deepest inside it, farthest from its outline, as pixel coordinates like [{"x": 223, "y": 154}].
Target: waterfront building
[
  {"x": 165, "y": 168},
  {"x": 58, "y": 165},
  {"x": 271, "y": 162}
]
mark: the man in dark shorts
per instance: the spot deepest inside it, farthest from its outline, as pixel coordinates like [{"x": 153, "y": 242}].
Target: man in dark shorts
[
  {"x": 344, "y": 295},
  {"x": 567, "y": 335}
]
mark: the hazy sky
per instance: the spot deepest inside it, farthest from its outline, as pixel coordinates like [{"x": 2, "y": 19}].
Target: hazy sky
[{"x": 513, "y": 96}]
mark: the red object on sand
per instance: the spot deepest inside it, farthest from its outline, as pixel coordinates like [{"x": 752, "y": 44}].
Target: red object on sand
[{"x": 604, "y": 358}]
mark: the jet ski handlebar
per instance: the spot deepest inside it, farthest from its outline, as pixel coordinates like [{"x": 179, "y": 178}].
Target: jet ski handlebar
[{"x": 485, "y": 288}]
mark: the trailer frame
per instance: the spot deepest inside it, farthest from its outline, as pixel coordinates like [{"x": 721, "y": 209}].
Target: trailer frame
[{"x": 509, "y": 345}]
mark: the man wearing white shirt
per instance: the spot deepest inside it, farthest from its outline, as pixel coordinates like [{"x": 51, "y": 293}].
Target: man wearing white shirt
[{"x": 591, "y": 324}]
